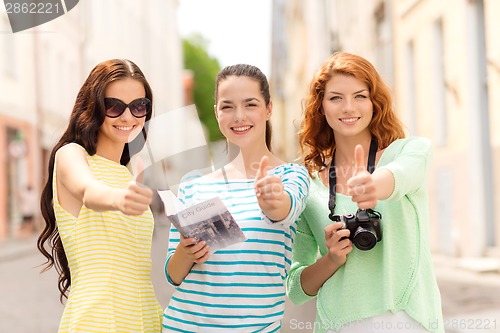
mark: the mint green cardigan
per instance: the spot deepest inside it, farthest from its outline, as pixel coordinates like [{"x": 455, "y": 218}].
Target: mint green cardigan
[{"x": 397, "y": 274}]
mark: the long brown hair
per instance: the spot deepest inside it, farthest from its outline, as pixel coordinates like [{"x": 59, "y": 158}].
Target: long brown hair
[
  {"x": 253, "y": 73},
  {"x": 85, "y": 121},
  {"x": 316, "y": 138}
]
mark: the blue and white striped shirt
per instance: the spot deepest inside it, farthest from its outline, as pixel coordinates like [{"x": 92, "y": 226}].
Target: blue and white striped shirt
[{"x": 239, "y": 288}]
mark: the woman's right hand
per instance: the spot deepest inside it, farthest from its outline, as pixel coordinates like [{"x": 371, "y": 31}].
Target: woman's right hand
[
  {"x": 337, "y": 243},
  {"x": 135, "y": 199},
  {"x": 197, "y": 252}
]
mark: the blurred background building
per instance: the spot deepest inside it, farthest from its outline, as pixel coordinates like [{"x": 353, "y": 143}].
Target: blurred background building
[
  {"x": 442, "y": 61},
  {"x": 42, "y": 69}
]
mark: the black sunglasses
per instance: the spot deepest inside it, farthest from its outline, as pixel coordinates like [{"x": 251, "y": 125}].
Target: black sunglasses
[{"x": 139, "y": 107}]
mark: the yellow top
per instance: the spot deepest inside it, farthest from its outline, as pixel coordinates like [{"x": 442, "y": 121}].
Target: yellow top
[{"x": 109, "y": 256}]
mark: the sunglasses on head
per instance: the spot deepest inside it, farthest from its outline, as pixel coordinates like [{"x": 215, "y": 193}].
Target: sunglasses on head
[{"x": 139, "y": 107}]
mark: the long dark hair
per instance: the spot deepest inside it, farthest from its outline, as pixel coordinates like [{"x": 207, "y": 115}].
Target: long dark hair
[
  {"x": 253, "y": 73},
  {"x": 85, "y": 121}
]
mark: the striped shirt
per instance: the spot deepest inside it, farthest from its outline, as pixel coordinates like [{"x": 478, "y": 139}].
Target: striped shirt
[
  {"x": 109, "y": 256},
  {"x": 239, "y": 288}
]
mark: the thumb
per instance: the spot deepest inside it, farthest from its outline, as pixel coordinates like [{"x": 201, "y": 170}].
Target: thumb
[
  {"x": 263, "y": 166},
  {"x": 138, "y": 170},
  {"x": 359, "y": 160}
]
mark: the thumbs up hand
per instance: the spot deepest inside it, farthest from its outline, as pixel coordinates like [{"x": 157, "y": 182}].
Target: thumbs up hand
[
  {"x": 269, "y": 189},
  {"x": 361, "y": 185},
  {"x": 136, "y": 198},
  {"x": 263, "y": 167},
  {"x": 138, "y": 169}
]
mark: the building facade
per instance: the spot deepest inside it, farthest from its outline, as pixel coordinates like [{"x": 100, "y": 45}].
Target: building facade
[
  {"x": 18, "y": 119},
  {"x": 42, "y": 69},
  {"x": 446, "y": 60}
]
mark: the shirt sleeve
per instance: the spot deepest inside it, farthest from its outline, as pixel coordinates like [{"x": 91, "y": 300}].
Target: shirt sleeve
[
  {"x": 296, "y": 182},
  {"x": 173, "y": 241},
  {"x": 410, "y": 167},
  {"x": 304, "y": 254}
]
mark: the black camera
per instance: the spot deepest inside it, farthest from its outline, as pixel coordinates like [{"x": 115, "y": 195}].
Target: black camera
[{"x": 365, "y": 227}]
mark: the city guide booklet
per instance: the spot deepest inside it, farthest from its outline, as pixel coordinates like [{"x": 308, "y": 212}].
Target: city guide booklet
[{"x": 209, "y": 221}]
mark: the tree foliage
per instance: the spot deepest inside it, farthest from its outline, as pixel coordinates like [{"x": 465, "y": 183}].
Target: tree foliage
[{"x": 205, "y": 69}]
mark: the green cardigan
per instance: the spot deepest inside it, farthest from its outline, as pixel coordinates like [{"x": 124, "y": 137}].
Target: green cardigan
[{"x": 397, "y": 274}]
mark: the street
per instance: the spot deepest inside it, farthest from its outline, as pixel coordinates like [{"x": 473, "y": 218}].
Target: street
[{"x": 30, "y": 300}]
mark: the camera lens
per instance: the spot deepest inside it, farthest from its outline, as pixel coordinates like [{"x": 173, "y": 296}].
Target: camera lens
[{"x": 364, "y": 239}]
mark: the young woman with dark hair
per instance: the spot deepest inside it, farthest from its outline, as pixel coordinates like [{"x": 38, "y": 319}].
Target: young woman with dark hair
[
  {"x": 239, "y": 288},
  {"x": 98, "y": 222}
]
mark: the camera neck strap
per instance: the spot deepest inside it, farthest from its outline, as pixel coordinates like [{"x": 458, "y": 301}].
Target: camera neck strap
[{"x": 333, "y": 174}]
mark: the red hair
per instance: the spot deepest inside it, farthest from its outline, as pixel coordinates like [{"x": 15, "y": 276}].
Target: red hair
[{"x": 316, "y": 138}]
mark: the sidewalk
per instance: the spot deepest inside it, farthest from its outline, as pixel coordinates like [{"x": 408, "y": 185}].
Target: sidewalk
[
  {"x": 469, "y": 291},
  {"x": 13, "y": 248},
  {"x": 469, "y": 287}
]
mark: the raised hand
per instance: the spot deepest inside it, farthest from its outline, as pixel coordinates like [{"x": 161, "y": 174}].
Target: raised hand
[
  {"x": 268, "y": 188},
  {"x": 361, "y": 185},
  {"x": 136, "y": 198},
  {"x": 138, "y": 169}
]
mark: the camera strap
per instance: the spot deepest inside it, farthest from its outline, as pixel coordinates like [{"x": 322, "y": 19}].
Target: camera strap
[{"x": 333, "y": 174}]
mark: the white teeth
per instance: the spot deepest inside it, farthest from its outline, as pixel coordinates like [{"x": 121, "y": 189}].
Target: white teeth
[
  {"x": 124, "y": 128},
  {"x": 241, "y": 129},
  {"x": 348, "y": 120}
]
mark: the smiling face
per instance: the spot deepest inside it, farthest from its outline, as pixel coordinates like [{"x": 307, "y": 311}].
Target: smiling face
[
  {"x": 118, "y": 131},
  {"x": 347, "y": 106},
  {"x": 242, "y": 112}
]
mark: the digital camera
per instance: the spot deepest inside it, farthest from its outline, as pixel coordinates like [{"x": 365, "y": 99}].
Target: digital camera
[{"x": 365, "y": 227}]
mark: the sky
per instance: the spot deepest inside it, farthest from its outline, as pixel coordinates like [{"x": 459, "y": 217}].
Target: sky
[{"x": 238, "y": 31}]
